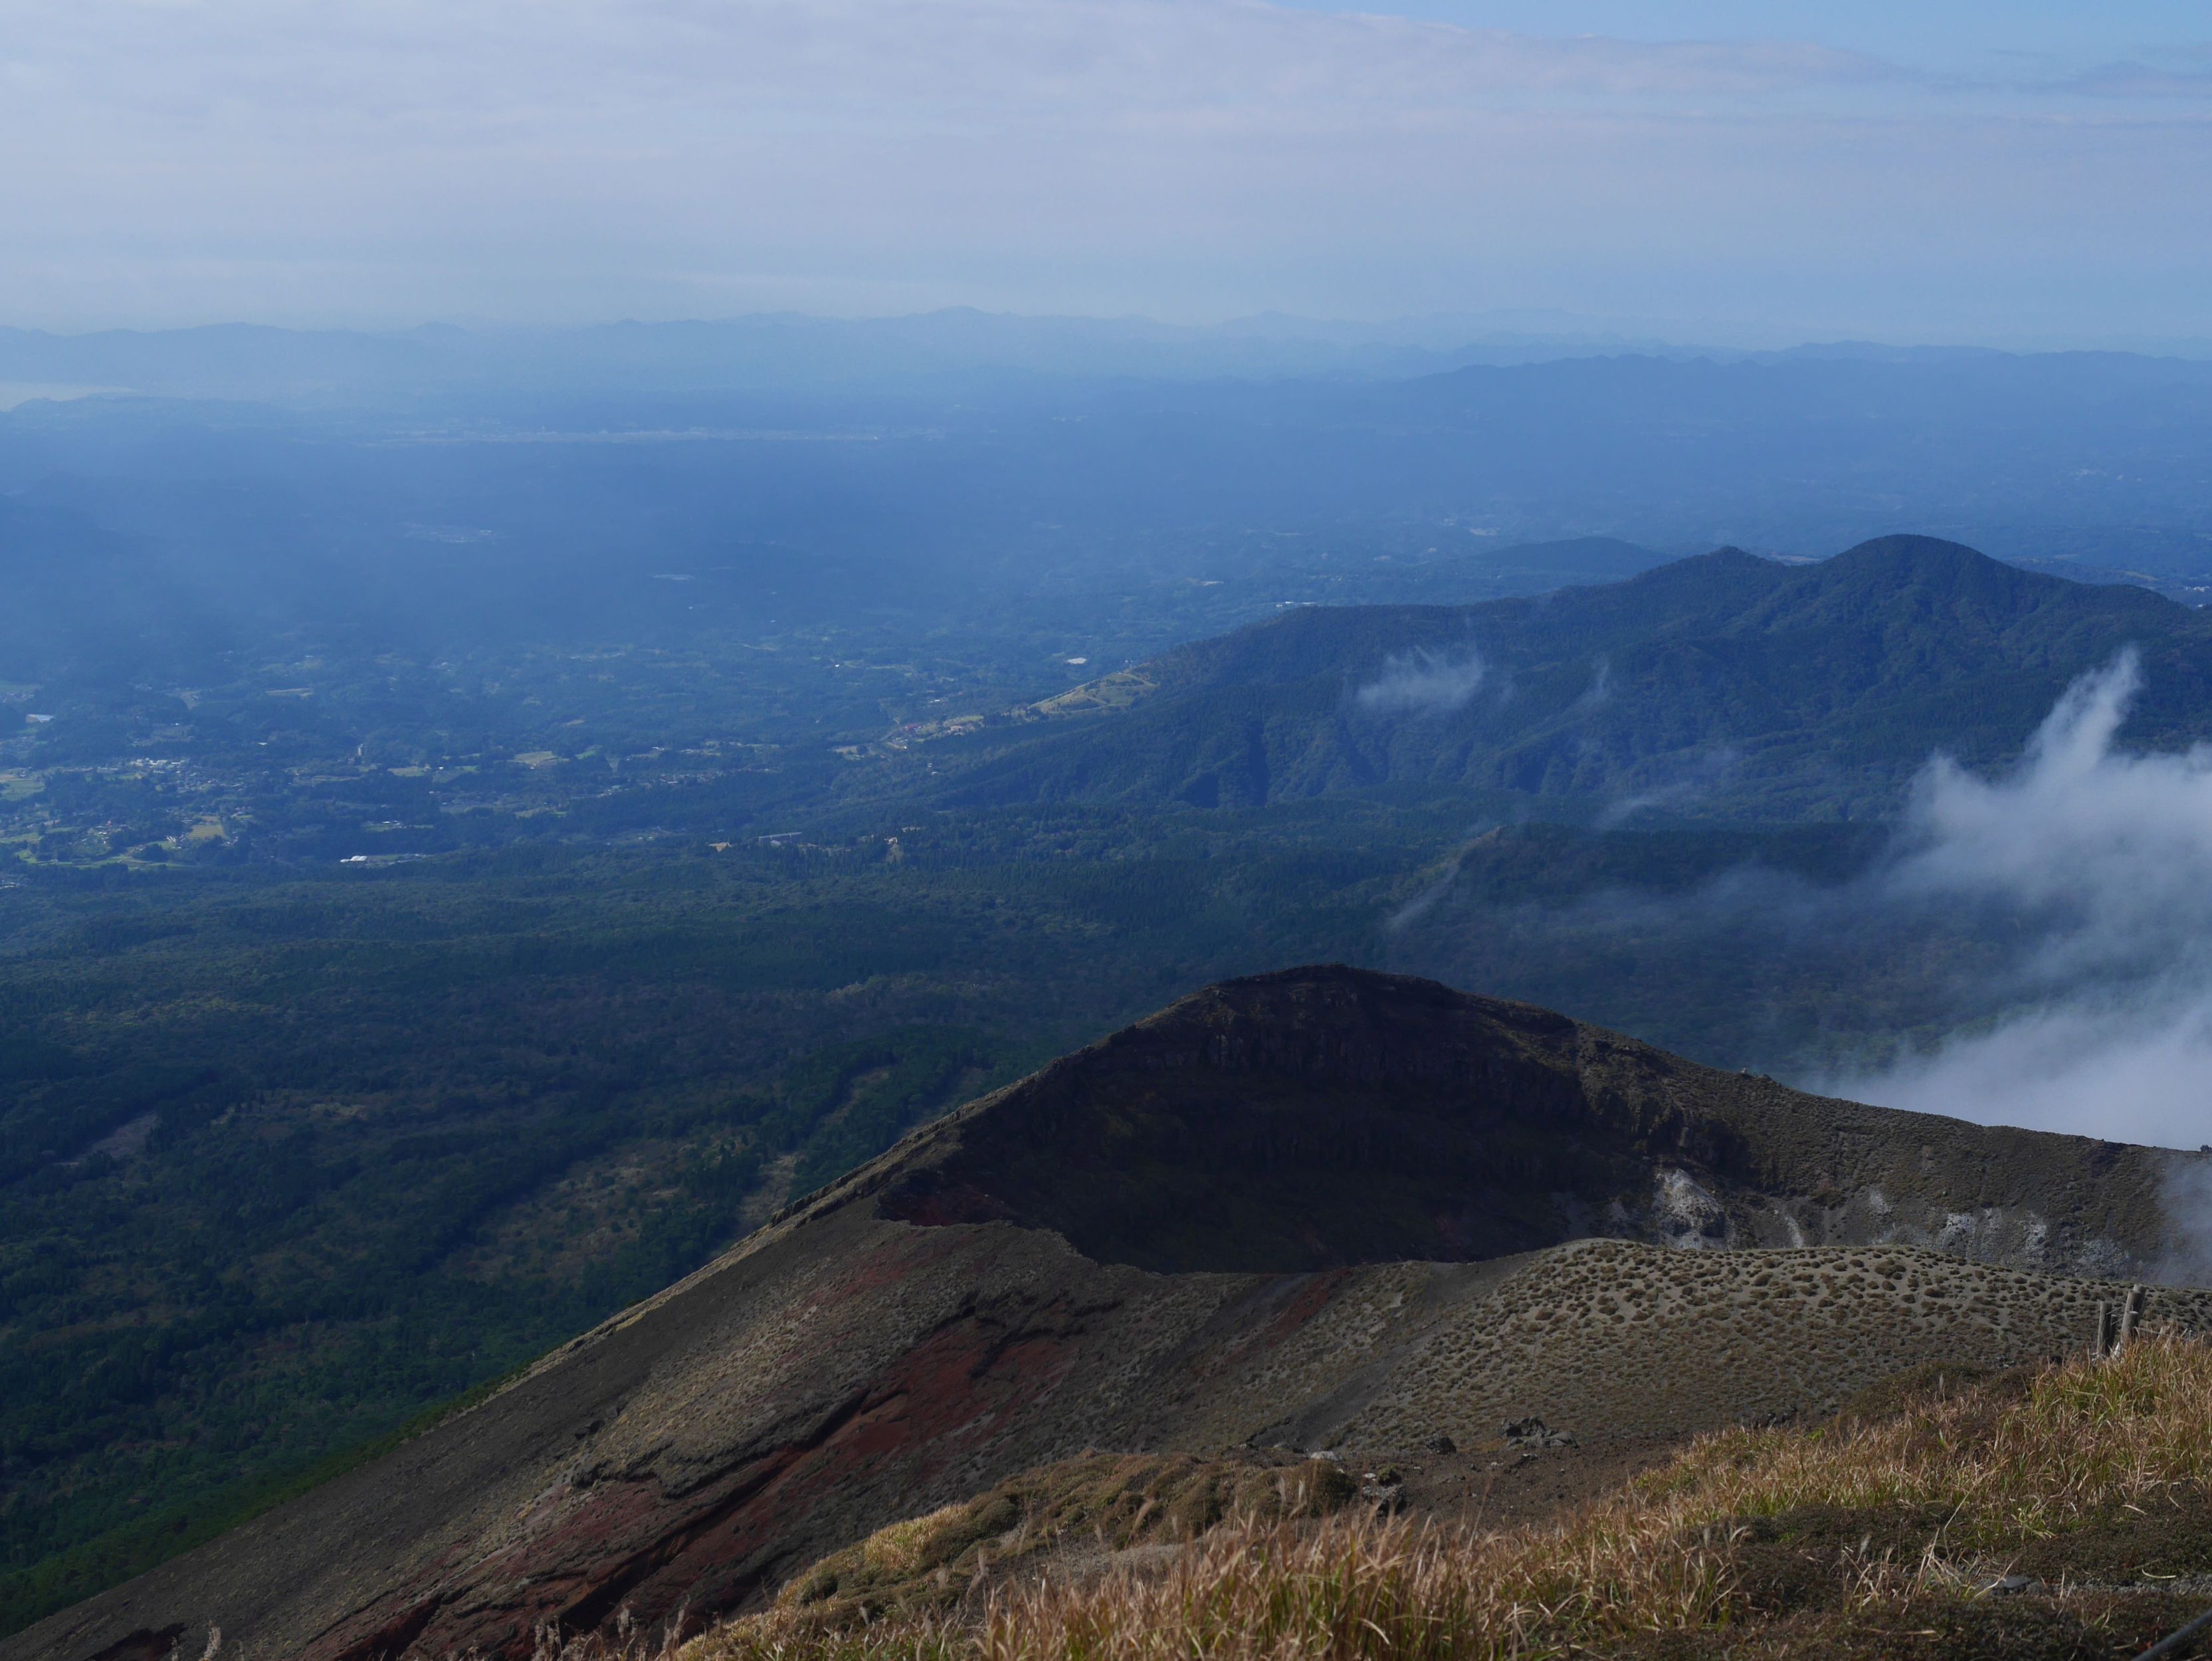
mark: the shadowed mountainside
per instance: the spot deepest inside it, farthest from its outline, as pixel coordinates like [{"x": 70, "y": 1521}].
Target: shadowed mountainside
[
  {"x": 1319, "y": 1207},
  {"x": 1317, "y": 1118}
]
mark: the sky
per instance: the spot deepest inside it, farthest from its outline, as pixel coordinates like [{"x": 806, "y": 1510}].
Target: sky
[{"x": 1745, "y": 173}]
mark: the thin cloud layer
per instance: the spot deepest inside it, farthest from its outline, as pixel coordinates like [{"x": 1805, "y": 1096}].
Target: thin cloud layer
[
  {"x": 577, "y": 61},
  {"x": 1191, "y": 157}
]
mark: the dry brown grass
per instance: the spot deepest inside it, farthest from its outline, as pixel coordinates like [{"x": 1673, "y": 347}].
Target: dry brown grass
[
  {"x": 1359, "y": 1588},
  {"x": 1095, "y": 1502},
  {"x": 2071, "y": 1443},
  {"x": 1998, "y": 1465}
]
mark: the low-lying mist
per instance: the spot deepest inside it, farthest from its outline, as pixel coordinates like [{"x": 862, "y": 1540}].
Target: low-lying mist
[
  {"x": 2102, "y": 861},
  {"x": 2032, "y": 947}
]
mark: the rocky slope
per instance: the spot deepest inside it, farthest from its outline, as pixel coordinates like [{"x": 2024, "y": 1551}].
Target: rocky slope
[{"x": 1316, "y": 1208}]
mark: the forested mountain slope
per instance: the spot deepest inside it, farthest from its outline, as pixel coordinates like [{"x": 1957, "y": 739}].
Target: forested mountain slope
[{"x": 1724, "y": 684}]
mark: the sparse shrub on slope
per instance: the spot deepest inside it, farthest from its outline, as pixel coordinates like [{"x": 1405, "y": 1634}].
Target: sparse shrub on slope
[{"x": 1868, "y": 1536}]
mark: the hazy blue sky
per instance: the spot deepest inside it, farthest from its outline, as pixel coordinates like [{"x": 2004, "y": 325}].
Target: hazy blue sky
[{"x": 2033, "y": 173}]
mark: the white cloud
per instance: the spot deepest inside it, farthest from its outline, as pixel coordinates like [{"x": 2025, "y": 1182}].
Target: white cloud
[
  {"x": 2097, "y": 1065},
  {"x": 1423, "y": 683},
  {"x": 2115, "y": 848},
  {"x": 2105, "y": 859}
]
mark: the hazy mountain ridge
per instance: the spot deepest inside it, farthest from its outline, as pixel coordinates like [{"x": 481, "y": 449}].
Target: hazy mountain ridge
[
  {"x": 1723, "y": 684},
  {"x": 785, "y": 349}
]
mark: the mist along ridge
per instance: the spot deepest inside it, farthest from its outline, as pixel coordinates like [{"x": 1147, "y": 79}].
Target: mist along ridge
[{"x": 1315, "y": 1208}]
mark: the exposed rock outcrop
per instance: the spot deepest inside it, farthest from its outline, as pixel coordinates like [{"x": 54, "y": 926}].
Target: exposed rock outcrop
[{"x": 1329, "y": 1115}]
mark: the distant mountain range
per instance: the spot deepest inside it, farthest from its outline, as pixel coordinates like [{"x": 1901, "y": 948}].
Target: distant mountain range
[
  {"x": 1724, "y": 684},
  {"x": 792, "y": 349},
  {"x": 789, "y": 349},
  {"x": 785, "y": 350}
]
